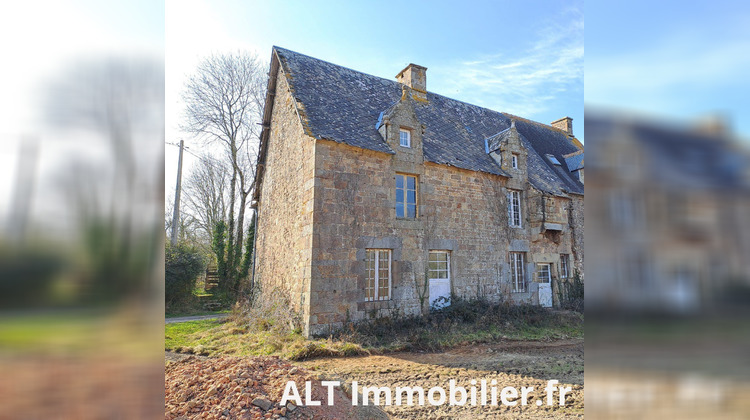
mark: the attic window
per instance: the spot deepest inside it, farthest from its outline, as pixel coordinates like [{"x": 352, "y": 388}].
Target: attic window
[
  {"x": 553, "y": 159},
  {"x": 404, "y": 138},
  {"x": 514, "y": 161}
]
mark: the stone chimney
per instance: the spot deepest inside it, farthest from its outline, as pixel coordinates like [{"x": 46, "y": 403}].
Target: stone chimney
[
  {"x": 415, "y": 77},
  {"x": 565, "y": 124},
  {"x": 716, "y": 125}
]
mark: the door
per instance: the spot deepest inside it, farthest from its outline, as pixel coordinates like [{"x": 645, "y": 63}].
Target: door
[
  {"x": 544, "y": 278},
  {"x": 439, "y": 266}
]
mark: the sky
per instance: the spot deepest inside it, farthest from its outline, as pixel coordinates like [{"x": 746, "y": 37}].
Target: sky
[
  {"x": 525, "y": 58},
  {"x": 674, "y": 60},
  {"x": 41, "y": 43},
  {"x": 663, "y": 59}
]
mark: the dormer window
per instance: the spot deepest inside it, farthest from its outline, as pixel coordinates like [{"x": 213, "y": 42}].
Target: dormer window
[
  {"x": 514, "y": 161},
  {"x": 404, "y": 138}
]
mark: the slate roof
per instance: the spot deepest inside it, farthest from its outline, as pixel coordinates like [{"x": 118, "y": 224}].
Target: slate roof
[
  {"x": 676, "y": 156},
  {"x": 574, "y": 162},
  {"x": 344, "y": 105}
]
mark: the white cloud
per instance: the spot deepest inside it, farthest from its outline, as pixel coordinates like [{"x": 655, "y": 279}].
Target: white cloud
[
  {"x": 669, "y": 72},
  {"x": 527, "y": 82}
]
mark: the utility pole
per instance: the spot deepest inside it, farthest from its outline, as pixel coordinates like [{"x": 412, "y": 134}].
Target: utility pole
[
  {"x": 25, "y": 181},
  {"x": 176, "y": 216}
]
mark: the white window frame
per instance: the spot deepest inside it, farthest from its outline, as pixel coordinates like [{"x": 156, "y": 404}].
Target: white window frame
[
  {"x": 405, "y": 203},
  {"x": 402, "y": 137},
  {"x": 564, "y": 266},
  {"x": 448, "y": 259},
  {"x": 514, "y": 208},
  {"x": 547, "y": 267},
  {"x": 514, "y": 161},
  {"x": 518, "y": 272},
  {"x": 377, "y": 266}
]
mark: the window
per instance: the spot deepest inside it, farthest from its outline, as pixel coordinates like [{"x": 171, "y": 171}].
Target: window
[
  {"x": 439, "y": 274},
  {"x": 514, "y": 208},
  {"x": 564, "y": 263},
  {"x": 543, "y": 273},
  {"x": 406, "y": 196},
  {"x": 517, "y": 277},
  {"x": 553, "y": 159},
  {"x": 404, "y": 138},
  {"x": 439, "y": 265},
  {"x": 514, "y": 161},
  {"x": 378, "y": 268}
]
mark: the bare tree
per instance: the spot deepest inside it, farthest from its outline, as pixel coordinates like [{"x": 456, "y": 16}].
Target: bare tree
[
  {"x": 115, "y": 108},
  {"x": 224, "y": 104},
  {"x": 189, "y": 227},
  {"x": 206, "y": 193}
]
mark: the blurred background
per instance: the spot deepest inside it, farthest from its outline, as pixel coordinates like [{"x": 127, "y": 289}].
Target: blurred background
[
  {"x": 81, "y": 209},
  {"x": 667, "y": 210}
]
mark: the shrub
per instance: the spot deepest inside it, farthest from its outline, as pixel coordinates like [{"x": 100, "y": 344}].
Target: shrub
[
  {"x": 570, "y": 293},
  {"x": 182, "y": 265},
  {"x": 26, "y": 277},
  {"x": 268, "y": 311}
]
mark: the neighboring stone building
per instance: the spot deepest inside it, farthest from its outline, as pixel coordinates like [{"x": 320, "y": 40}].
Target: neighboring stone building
[
  {"x": 668, "y": 210},
  {"x": 376, "y": 196}
]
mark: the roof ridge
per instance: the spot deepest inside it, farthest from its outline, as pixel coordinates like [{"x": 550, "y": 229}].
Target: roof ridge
[
  {"x": 334, "y": 64},
  {"x": 576, "y": 153},
  {"x": 395, "y": 82}
]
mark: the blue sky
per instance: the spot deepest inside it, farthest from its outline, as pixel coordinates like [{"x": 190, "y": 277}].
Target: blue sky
[
  {"x": 525, "y": 58},
  {"x": 674, "y": 60},
  {"x": 519, "y": 57}
]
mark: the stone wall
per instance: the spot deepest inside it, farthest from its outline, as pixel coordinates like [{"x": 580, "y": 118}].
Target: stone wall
[
  {"x": 462, "y": 211},
  {"x": 285, "y": 218}
]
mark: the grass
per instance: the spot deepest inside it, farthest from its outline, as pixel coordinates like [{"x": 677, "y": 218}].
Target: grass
[
  {"x": 466, "y": 322},
  {"x": 226, "y": 337},
  {"x": 122, "y": 331}
]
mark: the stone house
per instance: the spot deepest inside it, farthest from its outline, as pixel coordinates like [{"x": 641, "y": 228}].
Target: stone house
[{"x": 375, "y": 196}]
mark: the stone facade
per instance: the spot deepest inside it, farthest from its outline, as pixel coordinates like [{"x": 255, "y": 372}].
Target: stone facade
[
  {"x": 284, "y": 241},
  {"x": 322, "y": 204}
]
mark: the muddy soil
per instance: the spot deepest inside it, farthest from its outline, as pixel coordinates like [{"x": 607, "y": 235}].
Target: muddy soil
[{"x": 516, "y": 364}]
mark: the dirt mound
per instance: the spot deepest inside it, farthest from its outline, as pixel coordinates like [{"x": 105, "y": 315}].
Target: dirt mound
[{"x": 247, "y": 388}]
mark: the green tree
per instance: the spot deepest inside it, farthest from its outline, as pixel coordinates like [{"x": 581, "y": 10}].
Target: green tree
[
  {"x": 249, "y": 249},
  {"x": 218, "y": 245}
]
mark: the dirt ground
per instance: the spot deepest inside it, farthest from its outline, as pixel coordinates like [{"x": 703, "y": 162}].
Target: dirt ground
[{"x": 516, "y": 364}]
